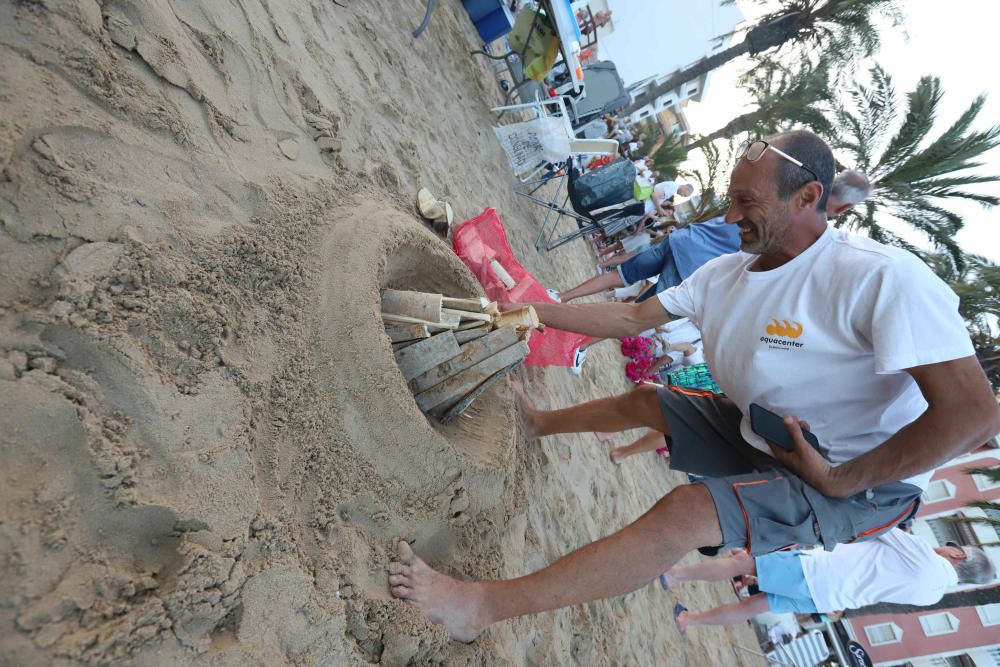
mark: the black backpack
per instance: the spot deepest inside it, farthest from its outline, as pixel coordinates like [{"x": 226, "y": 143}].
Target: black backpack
[{"x": 605, "y": 186}]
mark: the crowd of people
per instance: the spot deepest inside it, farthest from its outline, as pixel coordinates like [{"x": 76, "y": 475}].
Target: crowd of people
[{"x": 875, "y": 367}]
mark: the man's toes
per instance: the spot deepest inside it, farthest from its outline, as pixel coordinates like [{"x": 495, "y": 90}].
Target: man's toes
[
  {"x": 399, "y": 580},
  {"x": 399, "y": 568},
  {"x": 404, "y": 552},
  {"x": 402, "y": 592}
]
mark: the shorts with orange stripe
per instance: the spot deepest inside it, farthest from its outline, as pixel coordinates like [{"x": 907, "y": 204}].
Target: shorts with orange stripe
[{"x": 761, "y": 506}]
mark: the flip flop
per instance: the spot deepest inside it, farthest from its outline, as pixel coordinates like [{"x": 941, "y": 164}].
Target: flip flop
[{"x": 666, "y": 586}]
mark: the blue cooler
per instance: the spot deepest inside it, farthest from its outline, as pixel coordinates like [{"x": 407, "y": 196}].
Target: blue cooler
[
  {"x": 480, "y": 9},
  {"x": 496, "y": 24}
]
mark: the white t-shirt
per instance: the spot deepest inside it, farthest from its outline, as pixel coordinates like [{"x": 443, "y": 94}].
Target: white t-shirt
[
  {"x": 894, "y": 567},
  {"x": 825, "y": 337},
  {"x": 666, "y": 190}
]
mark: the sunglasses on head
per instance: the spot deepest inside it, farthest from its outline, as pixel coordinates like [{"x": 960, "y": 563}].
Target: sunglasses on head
[{"x": 754, "y": 150}]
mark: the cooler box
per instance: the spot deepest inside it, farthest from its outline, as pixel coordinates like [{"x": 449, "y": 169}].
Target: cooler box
[{"x": 492, "y": 18}]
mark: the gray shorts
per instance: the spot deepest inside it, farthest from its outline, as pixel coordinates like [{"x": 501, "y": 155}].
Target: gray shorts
[{"x": 762, "y": 506}]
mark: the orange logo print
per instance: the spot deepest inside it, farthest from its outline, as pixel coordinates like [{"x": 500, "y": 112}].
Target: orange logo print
[{"x": 783, "y": 328}]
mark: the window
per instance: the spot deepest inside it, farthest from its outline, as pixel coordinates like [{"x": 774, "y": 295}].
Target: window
[
  {"x": 983, "y": 482},
  {"x": 939, "y": 624},
  {"x": 884, "y": 633},
  {"x": 939, "y": 489},
  {"x": 692, "y": 92},
  {"x": 989, "y": 614}
]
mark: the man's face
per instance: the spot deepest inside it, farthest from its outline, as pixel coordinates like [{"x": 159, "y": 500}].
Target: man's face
[{"x": 764, "y": 220}]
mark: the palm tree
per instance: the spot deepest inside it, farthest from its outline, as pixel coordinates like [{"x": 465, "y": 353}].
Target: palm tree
[
  {"x": 977, "y": 284},
  {"x": 782, "y": 96},
  {"x": 843, "y": 28},
  {"x": 913, "y": 175}
]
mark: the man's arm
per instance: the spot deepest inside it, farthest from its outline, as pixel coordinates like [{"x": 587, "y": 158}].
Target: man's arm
[
  {"x": 962, "y": 414},
  {"x": 603, "y": 320}
]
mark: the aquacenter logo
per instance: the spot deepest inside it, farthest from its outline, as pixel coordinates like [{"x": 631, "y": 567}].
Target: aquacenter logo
[
  {"x": 786, "y": 333},
  {"x": 783, "y": 328}
]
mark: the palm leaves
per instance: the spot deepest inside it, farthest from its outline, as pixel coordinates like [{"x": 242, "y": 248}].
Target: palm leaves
[
  {"x": 843, "y": 29},
  {"x": 914, "y": 175},
  {"x": 783, "y": 96}
]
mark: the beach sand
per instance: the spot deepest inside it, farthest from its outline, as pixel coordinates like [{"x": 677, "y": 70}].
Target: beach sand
[{"x": 207, "y": 451}]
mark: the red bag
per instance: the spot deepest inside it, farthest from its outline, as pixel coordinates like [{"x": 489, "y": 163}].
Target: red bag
[{"x": 482, "y": 239}]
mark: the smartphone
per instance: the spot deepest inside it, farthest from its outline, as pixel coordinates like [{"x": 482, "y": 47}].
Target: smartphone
[{"x": 772, "y": 428}]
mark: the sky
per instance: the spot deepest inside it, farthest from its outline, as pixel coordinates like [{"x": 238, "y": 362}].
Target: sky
[{"x": 957, "y": 41}]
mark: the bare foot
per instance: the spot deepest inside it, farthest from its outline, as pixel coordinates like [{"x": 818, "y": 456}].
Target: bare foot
[
  {"x": 457, "y": 605},
  {"x": 529, "y": 414}
]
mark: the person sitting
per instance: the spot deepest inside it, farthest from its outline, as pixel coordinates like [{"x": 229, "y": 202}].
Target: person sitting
[{"x": 895, "y": 567}]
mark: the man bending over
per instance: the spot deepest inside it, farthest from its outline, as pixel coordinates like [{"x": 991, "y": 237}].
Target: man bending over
[
  {"x": 895, "y": 567},
  {"x": 860, "y": 339}
]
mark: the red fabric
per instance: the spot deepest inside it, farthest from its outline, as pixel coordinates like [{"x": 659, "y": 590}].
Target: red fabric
[{"x": 482, "y": 239}]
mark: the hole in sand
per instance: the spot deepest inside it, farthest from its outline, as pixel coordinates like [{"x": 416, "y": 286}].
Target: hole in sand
[{"x": 484, "y": 431}]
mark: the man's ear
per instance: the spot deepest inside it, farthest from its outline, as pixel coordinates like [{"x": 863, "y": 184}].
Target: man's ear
[
  {"x": 841, "y": 210},
  {"x": 807, "y": 197}
]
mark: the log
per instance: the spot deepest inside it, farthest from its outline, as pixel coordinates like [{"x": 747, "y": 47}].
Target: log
[
  {"x": 454, "y": 388},
  {"x": 425, "y": 355},
  {"x": 400, "y": 332},
  {"x": 466, "y": 315},
  {"x": 461, "y": 406},
  {"x": 413, "y": 320},
  {"x": 472, "y": 324},
  {"x": 405, "y": 343},
  {"x": 470, "y": 334},
  {"x": 471, "y": 305},
  {"x": 451, "y": 317},
  {"x": 418, "y": 305},
  {"x": 522, "y": 318},
  {"x": 492, "y": 308},
  {"x": 470, "y": 355}
]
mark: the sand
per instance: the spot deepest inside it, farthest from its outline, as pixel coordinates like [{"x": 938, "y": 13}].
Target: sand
[{"x": 207, "y": 450}]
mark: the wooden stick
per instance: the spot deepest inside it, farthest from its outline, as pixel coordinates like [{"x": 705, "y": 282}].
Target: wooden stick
[
  {"x": 470, "y": 334},
  {"x": 413, "y": 320},
  {"x": 401, "y": 332},
  {"x": 502, "y": 275},
  {"x": 425, "y": 355},
  {"x": 454, "y": 388},
  {"x": 461, "y": 406},
  {"x": 466, "y": 315},
  {"x": 472, "y": 305},
  {"x": 470, "y": 355},
  {"x": 471, "y": 324},
  {"x": 419, "y": 305}
]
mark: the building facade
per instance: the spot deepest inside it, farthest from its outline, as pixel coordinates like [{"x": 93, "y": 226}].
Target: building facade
[{"x": 965, "y": 636}]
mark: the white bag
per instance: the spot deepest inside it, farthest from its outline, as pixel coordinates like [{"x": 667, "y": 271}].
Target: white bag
[{"x": 531, "y": 143}]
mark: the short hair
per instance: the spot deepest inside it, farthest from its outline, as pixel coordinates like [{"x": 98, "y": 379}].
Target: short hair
[
  {"x": 976, "y": 568},
  {"x": 809, "y": 149},
  {"x": 851, "y": 187}
]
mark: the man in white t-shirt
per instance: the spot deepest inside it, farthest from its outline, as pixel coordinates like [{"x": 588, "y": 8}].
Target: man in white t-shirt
[
  {"x": 895, "y": 567},
  {"x": 860, "y": 340},
  {"x": 663, "y": 193}
]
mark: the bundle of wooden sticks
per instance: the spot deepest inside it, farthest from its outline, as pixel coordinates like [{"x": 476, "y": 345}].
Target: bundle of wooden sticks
[{"x": 451, "y": 350}]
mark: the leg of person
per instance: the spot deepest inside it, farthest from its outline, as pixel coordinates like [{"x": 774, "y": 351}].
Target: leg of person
[
  {"x": 638, "y": 408},
  {"x": 728, "y": 614},
  {"x": 651, "y": 441},
  {"x": 716, "y": 569},
  {"x": 592, "y": 286},
  {"x": 682, "y": 520},
  {"x": 618, "y": 260}
]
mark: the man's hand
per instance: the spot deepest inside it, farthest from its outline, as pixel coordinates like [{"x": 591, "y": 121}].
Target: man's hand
[{"x": 804, "y": 460}]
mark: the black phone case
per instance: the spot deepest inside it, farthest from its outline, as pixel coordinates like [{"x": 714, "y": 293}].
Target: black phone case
[{"x": 771, "y": 427}]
